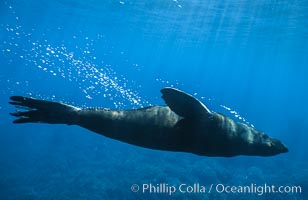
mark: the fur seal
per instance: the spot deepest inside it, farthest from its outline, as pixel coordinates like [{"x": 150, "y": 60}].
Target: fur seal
[{"x": 184, "y": 125}]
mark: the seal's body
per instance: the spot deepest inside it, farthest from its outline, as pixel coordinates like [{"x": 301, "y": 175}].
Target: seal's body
[{"x": 184, "y": 125}]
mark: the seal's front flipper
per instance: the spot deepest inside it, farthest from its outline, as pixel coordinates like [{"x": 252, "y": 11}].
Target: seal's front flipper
[
  {"x": 184, "y": 104},
  {"x": 41, "y": 111}
]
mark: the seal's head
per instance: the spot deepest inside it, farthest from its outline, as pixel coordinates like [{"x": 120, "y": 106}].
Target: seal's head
[{"x": 268, "y": 146}]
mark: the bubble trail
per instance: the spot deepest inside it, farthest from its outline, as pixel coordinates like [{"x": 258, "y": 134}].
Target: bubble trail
[{"x": 78, "y": 65}]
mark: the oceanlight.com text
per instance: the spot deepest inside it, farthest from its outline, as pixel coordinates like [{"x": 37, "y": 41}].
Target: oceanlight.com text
[{"x": 257, "y": 189}]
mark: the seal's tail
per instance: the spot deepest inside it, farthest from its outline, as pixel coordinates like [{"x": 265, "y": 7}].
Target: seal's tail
[{"x": 41, "y": 111}]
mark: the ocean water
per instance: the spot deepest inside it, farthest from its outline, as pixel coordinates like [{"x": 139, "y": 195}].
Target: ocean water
[{"x": 245, "y": 59}]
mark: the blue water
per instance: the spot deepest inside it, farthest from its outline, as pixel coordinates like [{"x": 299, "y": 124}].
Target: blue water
[{"x": 249, "y": 56}]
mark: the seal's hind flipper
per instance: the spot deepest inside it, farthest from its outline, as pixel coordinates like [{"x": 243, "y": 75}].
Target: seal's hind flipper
[
  {"x": 41, "y": 111},
  {"x": 25, "y": 117},
  {"x": 183, "y": 104}
]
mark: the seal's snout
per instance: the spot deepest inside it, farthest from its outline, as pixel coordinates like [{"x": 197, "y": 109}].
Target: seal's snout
[
  {"x": 281, "y": 148},
  {"x": 272, "y": 146},
  {"x": 284, "y": 149}
]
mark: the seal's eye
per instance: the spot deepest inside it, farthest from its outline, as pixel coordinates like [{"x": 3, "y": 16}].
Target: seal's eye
[{"x": 265, "y": 136}]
